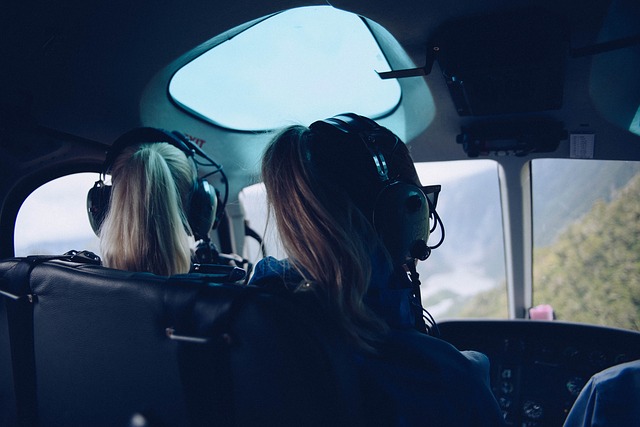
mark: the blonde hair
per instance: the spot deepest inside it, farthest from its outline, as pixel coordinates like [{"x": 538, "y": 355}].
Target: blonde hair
[
  {"x": 327, "y": 238},
  {"x": 145, "y": 228}
]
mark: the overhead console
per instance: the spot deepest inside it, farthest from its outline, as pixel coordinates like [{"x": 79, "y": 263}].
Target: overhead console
[
  {"x": 508, "y": 62},
  {"x": 503, "y": 64},
  {"x": 517, "y": 137}
]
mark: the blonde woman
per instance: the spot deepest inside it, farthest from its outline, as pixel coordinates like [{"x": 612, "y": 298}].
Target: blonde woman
[{"x": 156, "y": 206}]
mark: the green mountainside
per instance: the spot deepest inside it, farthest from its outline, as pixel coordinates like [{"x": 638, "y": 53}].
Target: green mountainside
[
  {"x": 591, "y": 271},
  {"x": 564, "y": 191}
]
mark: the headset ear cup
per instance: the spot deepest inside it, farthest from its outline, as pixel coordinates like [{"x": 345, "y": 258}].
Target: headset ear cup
[
  {"x": 202, "y": 209},
  {"x": 401, "y": 218},
  {"x": 98, "y": 200}
]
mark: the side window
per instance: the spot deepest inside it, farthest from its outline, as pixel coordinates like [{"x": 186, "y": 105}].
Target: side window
[
  {"x": 253, "y": 200},
  {"x": 53, "y": 219}
]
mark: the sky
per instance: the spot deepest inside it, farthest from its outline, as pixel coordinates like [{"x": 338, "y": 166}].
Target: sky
[{"x": 56, "y": 212}]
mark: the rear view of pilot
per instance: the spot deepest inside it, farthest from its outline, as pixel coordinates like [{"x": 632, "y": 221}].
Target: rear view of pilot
[
  {"x": 354, "y": 220},
  {"x": 156, "y": 207}
]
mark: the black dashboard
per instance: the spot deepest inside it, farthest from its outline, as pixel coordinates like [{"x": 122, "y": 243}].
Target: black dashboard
[{"x": 539, "y": 367}]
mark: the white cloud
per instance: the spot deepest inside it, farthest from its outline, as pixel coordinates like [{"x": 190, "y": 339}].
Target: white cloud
[{"x": 445, "y": 172}]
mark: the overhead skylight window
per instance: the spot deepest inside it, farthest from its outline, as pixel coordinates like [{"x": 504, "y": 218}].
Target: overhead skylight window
[{"x": 297, "y": 66}]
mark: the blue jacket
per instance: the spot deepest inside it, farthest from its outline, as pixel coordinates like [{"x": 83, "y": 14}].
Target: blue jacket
[
  {"x": 610, "y": 398},
  {"x": 413, "y": 379}
]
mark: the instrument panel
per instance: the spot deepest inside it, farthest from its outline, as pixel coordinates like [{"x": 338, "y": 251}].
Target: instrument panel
[{"x": 538, "y": 368}]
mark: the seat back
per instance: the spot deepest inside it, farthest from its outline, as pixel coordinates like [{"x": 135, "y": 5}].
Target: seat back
[
  {"x": 7, "y": 394},
  {"x": 105, "y": 344}
]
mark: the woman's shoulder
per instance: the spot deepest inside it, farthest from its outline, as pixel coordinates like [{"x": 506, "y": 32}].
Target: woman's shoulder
[
  {"x": 271, "y": 272},
  {"x": 451, "y": 386},
  {"x": 422, "y": 351}
]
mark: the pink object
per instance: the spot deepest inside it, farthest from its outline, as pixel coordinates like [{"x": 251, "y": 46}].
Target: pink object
[{"x": 541, "y": 312}]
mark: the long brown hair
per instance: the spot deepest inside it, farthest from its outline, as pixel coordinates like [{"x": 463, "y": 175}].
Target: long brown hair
[{"x": 327, "y": 237}]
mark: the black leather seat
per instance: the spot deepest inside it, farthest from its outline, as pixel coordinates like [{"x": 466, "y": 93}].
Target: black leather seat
[
  {"x": 97, "y": 346},
  {"x": 7, "y": 394}
]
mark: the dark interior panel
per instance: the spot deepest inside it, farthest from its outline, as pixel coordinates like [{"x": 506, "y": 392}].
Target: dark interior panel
[{"x": 538, "y": 368}]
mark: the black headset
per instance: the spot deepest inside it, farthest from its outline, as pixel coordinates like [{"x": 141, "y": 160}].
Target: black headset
[
  {"x": 401, "y": 210},
  {"x": 203, "y": 212}
]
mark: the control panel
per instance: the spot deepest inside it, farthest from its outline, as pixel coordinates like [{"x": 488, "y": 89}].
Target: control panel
[{"x": 538, "y": 368}]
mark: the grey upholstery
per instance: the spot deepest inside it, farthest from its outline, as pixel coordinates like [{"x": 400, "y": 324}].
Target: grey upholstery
[{"x": 107, "y": 344}]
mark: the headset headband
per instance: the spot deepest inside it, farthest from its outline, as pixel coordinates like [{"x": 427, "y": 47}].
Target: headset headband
[
  {"x": 365, "y": 128},
  {"x": 147, "y": 135}
]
